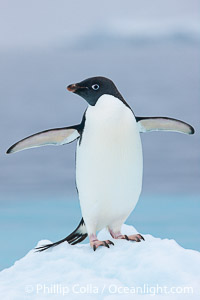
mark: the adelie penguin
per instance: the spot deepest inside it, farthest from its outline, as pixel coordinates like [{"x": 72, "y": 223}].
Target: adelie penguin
[{"x": 109, "y": 162}]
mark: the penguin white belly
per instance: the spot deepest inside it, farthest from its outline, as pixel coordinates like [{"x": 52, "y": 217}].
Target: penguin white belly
[{"x": 109, "y": 164}]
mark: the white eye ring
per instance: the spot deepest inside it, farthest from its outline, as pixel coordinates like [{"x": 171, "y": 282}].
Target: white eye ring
[{"x": 95, "y": 87}]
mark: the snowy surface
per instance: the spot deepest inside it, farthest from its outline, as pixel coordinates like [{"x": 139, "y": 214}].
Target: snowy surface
[{"x": 154, "y": 269}]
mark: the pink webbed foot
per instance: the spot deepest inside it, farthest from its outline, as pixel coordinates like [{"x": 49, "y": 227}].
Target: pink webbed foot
[
  {"x": 134, "y": 237},
  {"x": 96, "y": 243}
]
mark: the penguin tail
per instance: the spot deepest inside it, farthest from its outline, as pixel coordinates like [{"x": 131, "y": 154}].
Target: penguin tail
[{"x": 77, "y": 236}]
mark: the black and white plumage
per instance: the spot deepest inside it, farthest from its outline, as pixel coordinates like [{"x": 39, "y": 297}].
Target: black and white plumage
[{"x": 109, "y": 162}]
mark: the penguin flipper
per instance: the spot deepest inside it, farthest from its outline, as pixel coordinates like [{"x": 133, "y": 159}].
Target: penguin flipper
[
  {"x": 77, "y": 236},
  {"x": 147, "y": 124},
  {"x": 56, "y": 137}
]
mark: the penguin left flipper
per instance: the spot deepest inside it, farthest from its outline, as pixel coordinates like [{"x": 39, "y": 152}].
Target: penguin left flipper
[
  {"x": 56, "y": 137},
  {"x": 147, "y": 124}
]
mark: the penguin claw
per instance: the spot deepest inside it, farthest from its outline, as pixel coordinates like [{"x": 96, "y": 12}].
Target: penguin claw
[
  {"x": 126, "y": 237},
  {"x": 111, "y": 243},
  {"x": 94, "y": 247},
  {"x": 141, "y": 237},
  {"x": 105, "y": 244}
]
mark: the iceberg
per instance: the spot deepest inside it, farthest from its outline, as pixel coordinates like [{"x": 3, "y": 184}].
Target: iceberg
[{"x": 154, "y": 269}]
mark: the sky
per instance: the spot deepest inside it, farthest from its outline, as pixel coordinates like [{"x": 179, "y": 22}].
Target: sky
[{"x": 41, "y": 23}]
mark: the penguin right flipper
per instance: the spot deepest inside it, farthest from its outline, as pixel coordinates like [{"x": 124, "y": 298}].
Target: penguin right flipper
[
  {"x": 77, "y": 236},
  {"x": 56, "y": 137}
]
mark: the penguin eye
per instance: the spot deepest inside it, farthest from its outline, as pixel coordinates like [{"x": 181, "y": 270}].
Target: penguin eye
[{"x": 95, "y": 87}]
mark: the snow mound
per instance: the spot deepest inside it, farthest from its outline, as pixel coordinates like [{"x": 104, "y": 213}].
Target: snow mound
[{"x": 154, "y": 269}]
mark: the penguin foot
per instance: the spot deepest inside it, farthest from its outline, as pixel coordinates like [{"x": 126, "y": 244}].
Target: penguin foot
[
  {"x": 134, "y": 237},
  {"x": 96, "y": 243}
]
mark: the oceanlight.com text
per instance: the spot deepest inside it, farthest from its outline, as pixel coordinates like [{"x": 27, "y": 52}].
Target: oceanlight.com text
[{"x": 59, "y": 289}]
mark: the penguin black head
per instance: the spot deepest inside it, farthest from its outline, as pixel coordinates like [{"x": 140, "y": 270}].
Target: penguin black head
[{"x": 93, "y": 88}]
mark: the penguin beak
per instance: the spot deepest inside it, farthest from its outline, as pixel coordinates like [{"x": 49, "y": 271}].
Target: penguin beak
[
  {"x": 76, "y": 88},
  {"x": 73, "y": 87}
]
